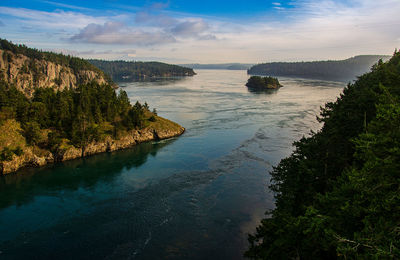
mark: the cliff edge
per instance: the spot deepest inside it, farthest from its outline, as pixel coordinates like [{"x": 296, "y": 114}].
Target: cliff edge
[{"x": 29, "y": 69}]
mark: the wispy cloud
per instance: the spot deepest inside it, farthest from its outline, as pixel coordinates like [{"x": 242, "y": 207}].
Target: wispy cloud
[
  {"x": 159, "y": 20},
  {"x": 2, "y": 24},
  {"x": 123, "y": 54},
  {"x": 94, "y": 52},
  {"x": 118, "y": 33},
  {"x": 75, "y": 7},
  {"x": 326, "y": 29},
  {"x": 183, "y": 27},
  {"x": 190, "y": 28},
  {"x": 56, "y": 19},
  {"x": 295, "y": 30},
  {"x": 160, "y": 5}
]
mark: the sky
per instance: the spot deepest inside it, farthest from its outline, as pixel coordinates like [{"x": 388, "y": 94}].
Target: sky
[{"x": 206, "y": 31}]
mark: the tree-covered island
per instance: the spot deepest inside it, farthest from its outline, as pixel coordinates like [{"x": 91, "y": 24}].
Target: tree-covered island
[{"x": 258, "y": 83}]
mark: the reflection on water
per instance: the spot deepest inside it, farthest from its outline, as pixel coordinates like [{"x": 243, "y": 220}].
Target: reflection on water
[
  {"x": 154, "y": 81},
  {"x": 194, "y": 197},
  {"x": 262, "y": 91},
  {"x": 70, "y": 175}
]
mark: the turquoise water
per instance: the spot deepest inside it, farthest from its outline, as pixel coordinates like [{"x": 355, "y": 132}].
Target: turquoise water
[{"x": 196, "y": 196}]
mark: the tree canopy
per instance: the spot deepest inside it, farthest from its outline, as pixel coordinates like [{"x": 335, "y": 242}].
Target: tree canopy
[
  {"x": 341, "y": 70},
  {"x": 337, "y": 195},
  {"x": 263, "y": 83},
  {"x": 82, "y": 115},
  {"x": 136, "y": 70}
]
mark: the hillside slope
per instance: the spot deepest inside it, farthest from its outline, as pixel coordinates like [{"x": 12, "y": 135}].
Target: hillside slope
[
  {"x": 221, "y": 66},
  {"x": 28, "y": 69},
  {"x": 337, "y": 195},
  {"x": 56, "y": 108},
  {"x": 341, "y": 70},
  {"x": 139, "y": 71}
]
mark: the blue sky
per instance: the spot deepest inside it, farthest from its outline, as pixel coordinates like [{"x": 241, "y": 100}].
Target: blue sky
[
  {"x": 223, "y": 8},
  {"x": 206, "y": 31}
]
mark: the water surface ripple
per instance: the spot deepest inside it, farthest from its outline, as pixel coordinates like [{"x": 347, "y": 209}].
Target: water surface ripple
[{"x": 193, "y": 197}]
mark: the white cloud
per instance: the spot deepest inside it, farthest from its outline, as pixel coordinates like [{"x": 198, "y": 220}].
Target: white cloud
[
  {"x": 66, "y": 5},
  {"x": 117, "y": 33},
  {"x": 313, "y": 30},
  {"x": 57, "y": 19},
  {"x": 99, "y": 54},
  {"x": 190, "y": 28},
  {"x": 305, "y": 30},
  {"x": 160, "y": 20}
]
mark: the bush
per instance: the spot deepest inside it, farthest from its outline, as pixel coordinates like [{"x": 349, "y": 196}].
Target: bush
[
  {"x": 6, "y": 154},
  {"x": 18, "y": 151},
  {"x": 32, "y": 133}
]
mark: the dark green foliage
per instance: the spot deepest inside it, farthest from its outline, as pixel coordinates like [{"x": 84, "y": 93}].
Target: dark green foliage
[
  {"x": 13, "y": 103},
  {"x": 152, "y": 119},
  {"x": 88, "y": 113},
  {"x": 82, "y": 115},
  {"x": 262, "y": 83},
  {"x": 32, "y": 132},
  {"x": 136, "y": 70},
  {"x": 337, "y": 195},
  {"x": 54, "y": 139},
  {"x": 342, "y": 70},
  {"x": 6, "y": 154},
  {"x": 18, "y": 151}
]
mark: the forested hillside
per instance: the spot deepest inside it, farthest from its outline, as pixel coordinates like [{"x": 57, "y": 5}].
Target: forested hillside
[
  {"x": 221, "y": 66},
  {"x": 338, "y": 194},
  {"x": 43, "y": 120},
  {"x": 27, "y": 69},
  {"x": 342, "y": 70},
  {"x": 137, "y": 70}
]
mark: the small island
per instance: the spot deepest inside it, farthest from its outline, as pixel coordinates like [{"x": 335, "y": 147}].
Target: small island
[{"x": 257, "y": 83}]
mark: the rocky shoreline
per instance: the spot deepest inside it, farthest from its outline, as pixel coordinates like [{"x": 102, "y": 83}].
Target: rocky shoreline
[{"x": 31, "y": 158}]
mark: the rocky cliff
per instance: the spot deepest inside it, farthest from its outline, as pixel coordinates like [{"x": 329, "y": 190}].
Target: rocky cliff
[
  {"x": 61, "y": 126},
  {"x": 35, "y": 157},
  {"x": 29, "y": 73}
]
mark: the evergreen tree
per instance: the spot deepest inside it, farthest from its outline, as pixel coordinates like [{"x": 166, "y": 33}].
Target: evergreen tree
[{"x": 337, "y": 195}]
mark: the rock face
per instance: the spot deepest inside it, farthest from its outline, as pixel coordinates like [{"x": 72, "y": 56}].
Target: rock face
[
  {"x": 27, "y": 159},
  {"x": 30, "y": 159},
  {"x": 27, "y": 74}
]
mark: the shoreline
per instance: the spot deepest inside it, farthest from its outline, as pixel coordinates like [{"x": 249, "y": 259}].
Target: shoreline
[{"x": 134, "y": 137}]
